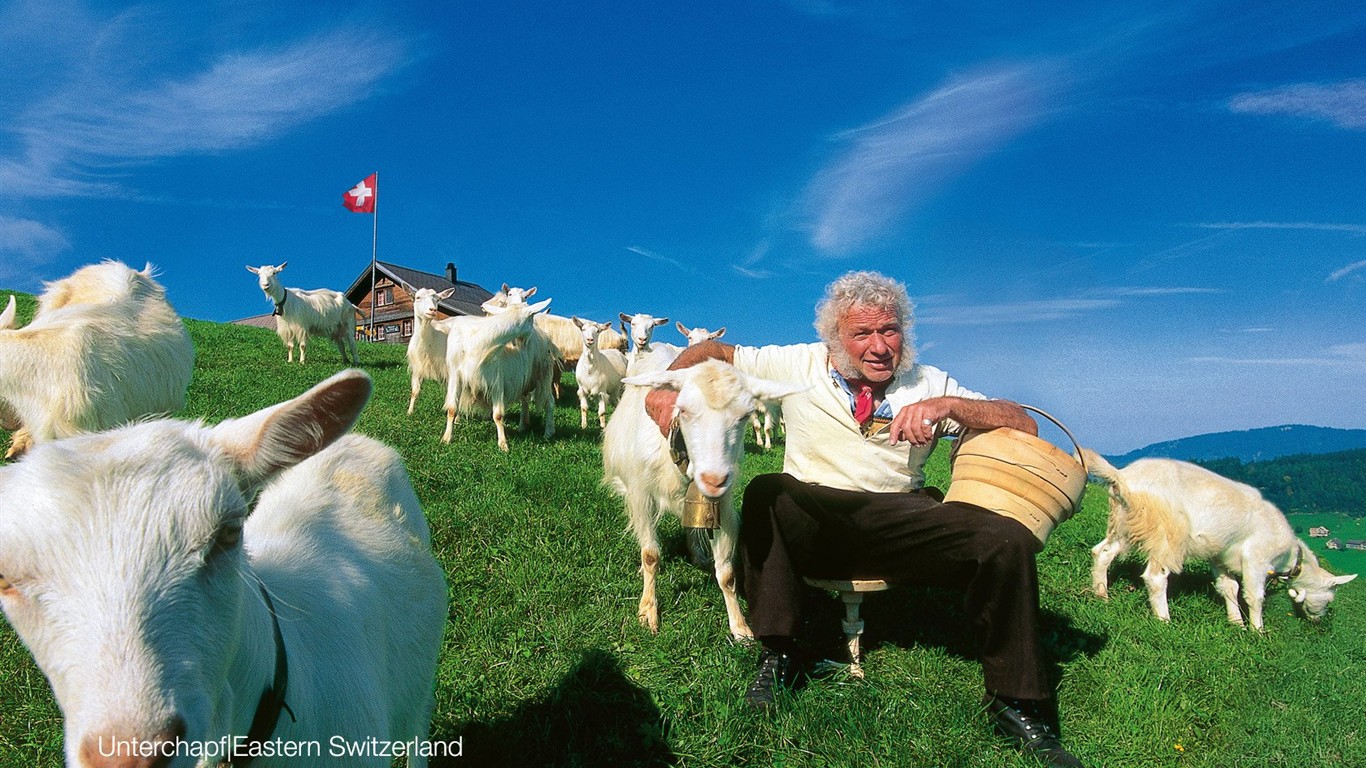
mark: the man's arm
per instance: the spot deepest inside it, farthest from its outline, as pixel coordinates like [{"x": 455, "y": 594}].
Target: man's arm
[
  {"x": 916, "y": 422},
  {"x": 660, "y": 402}
]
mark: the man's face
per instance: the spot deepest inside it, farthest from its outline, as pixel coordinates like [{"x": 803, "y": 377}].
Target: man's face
[{"x": 871, "y": 336}]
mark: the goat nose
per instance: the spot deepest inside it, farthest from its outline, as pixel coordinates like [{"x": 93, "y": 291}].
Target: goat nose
[
  {"x": 715, "y": 479},
  {"x": 122, "y": 750}
]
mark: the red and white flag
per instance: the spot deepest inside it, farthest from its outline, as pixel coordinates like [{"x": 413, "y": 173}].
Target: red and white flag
[{"x": 361, "y": 198}]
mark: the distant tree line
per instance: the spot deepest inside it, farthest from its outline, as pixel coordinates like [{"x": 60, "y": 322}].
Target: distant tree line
[{"x": 1323, "y": 482}]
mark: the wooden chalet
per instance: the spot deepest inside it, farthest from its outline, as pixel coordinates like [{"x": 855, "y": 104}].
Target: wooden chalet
[
  {"x": 392, "y": 299},
  {"x": 1318, "y": 532}
]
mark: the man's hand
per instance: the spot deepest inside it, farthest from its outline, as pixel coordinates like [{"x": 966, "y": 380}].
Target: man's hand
[{"x": 917, "y": 422}]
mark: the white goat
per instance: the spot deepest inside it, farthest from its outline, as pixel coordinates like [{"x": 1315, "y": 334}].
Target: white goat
[
  {"x": 1172, "y": 510},
  {"x": 427, "y": 347},
  {"x": 563, "y": 333},
  {"x": 646, "y": 356},
  {"x": 599, "y": 372},
  {"x": 104, "y": 348},
  {"x": 318, "y": 312},
  {"x": 699, "y": 334},
  {"x": 714, "y": 401},
  {"x": 161, "y": 605},
  {"x": 498, "y": 360}
]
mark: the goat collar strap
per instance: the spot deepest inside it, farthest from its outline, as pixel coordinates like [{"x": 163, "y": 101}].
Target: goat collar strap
[
  {"x": 272, "y": 698},
  {"x": 678, "y": 448},
  {"x": 1295, "y": 569},
  {"x": 280, "y": 305}
]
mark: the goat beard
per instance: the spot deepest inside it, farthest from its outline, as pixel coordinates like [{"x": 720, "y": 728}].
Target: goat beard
[{"x": 849, "y": 369}]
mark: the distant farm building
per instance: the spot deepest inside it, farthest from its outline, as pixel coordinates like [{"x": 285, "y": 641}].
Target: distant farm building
[
  {"x": 392, "y": 299},
  {"x": 1318, "y": 532},
  {"x": 394, "y": 287},
  {"x": 1357, "y": 544}
]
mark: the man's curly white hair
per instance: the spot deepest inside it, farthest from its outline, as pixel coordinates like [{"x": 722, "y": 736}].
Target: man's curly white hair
[{"x": 864, "y": 289}]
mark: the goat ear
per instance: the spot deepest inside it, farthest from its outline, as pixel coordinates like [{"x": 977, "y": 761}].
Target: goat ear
[
  {"x": 765, "y": 389},
  {"x": 625, "y": 319},
  {"x": 506, "y": 289},
  {"x": 661, "y": 320},
  {"x": 254, "y": 270},
  {"x": 283, "y": 435},
  {"x": 528, "y": 293},
  {"x": 657, "y": 380},
  {"x": 7, "y": 317},
  {"x": 579, "y": 321},
  {"x": 683, "y": 329},
  {"x": 719, "y": 332},
  {"x": 282, "y": 266},
  {"x": 446, "y": 294},
  {"x": 538, "y": 307},
  {"x": 1338, "y": 581}
]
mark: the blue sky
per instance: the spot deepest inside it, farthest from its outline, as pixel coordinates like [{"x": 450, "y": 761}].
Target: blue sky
[{"x": 1150, "y": 221}]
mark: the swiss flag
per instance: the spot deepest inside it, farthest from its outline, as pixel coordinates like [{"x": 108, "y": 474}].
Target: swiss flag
[{"x": 361, "y": 198}]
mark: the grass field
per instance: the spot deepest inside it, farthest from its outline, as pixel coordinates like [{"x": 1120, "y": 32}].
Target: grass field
[{"x": 544, "y": 662}]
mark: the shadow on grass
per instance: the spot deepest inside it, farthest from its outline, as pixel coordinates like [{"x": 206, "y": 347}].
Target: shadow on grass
[
  {"x": 907, "y": 616},
  {"x": 1195, "y": 579},
  {"x": 594, "y": 717}
]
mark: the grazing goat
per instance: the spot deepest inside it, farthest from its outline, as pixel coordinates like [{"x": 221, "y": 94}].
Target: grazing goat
[
  {"x": 714, "y": 400},
  {"x": 599, "y": 372},
  {"x": 498, "y": 360},
  {"x": 300, "y": 314},
  {"x": 103, "y": 349},
  {"x": 171, "y": 614},
  {"x": 646, "y": 356},
  {"x": 1172, "y": 510}
]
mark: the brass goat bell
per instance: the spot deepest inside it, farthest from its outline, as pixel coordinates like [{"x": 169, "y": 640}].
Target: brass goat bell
[{"x": 700, "y": 511}]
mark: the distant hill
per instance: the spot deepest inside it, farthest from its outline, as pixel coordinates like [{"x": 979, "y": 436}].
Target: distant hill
[
  {"x": 1322, "y": 482},
  {"x": 1252, "y": 444}
]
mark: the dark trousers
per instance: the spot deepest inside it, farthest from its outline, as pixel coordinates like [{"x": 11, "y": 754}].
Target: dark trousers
[{"x": 792, "y": 529}]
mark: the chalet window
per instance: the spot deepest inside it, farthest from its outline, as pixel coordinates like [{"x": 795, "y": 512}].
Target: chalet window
[
  {"x": 384, "y": 297},
  {"x": 407, "y": 327}
]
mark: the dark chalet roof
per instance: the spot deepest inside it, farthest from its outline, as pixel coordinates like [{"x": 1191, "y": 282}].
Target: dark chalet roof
[{"x": 465, "y": 301}]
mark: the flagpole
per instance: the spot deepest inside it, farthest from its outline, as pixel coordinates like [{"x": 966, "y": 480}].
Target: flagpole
[{"x": 374, "y": 250}]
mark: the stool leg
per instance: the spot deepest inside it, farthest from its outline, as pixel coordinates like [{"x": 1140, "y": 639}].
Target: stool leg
[{"x": 853, "y": 630}]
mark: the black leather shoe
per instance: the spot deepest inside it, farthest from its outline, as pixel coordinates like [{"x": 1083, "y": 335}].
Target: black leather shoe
[
  {"x": 1032, "y": 728},
  {"x": 775, "y": 671}
]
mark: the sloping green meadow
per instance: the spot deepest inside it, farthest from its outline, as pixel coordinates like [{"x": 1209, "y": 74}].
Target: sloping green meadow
[{"x": 545, "y": 664}]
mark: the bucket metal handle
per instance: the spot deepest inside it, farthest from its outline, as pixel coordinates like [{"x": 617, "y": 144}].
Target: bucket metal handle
[{"x": 1080, "y": 458}]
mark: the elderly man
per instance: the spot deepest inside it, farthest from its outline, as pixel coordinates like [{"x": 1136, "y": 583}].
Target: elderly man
[{"x": 851, "y": 501}]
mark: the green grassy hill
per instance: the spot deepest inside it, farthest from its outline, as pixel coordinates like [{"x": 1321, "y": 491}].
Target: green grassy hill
[{"x": 545, "y": 664}]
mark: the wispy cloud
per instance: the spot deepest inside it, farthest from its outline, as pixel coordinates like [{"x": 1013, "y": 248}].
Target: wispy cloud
[
  {"x": 1349, "y": 355},
  {"x": 26, "y": 244},
  {"x": 1343, "y": 104},
  {"x": 889, "y": 165},
  {"x": 944, "y": 311},
  {"x": 99, "y": 121},
  {"x": 660, "y": 257},
  {"x": 1356, "y": 229},
  {"x": 1347, "y": 270}
]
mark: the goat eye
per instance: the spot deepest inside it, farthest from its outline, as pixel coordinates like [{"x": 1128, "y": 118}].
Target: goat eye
[{"x": 229, "y": 537}]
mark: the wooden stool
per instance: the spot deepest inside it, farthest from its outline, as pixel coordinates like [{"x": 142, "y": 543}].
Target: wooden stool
[{"x": 851, "y": 592}]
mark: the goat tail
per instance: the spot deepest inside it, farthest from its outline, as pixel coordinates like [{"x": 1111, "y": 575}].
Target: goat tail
[
  {"x": 1098, "y": 467},
  {"x": 356, "y": 310}
]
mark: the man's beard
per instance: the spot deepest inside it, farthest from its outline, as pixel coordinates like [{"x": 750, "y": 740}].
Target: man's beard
[{"x": 849, "y": 368}]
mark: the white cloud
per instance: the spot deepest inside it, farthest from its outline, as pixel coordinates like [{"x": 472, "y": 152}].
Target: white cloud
[
  {"x": 1357, "y": 229},
  {"x": 103, "y": 118},
  {"x": 940, "y": 310},
  {"x": 1343, "y": 104},
  {"x": 1347, "y": 270},
  {"x": 26, "y": 244},
  {"x": 889, "y": 165},
  {"x": 757, "y": 274},
  {"x": 659, "y": 257}
]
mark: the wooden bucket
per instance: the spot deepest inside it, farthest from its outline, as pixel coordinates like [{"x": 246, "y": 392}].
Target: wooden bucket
[{"x": 1019, "y": 475}]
